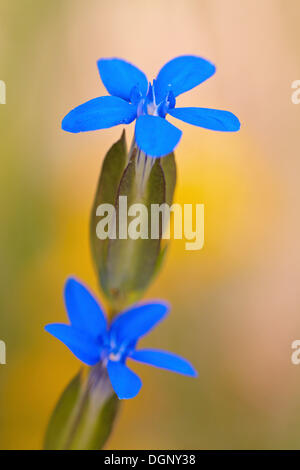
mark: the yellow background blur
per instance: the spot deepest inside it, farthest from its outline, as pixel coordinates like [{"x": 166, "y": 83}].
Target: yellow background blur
[{"x": 236, "y": 303}]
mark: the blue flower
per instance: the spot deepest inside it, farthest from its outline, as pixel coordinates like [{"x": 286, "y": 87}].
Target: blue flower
[
  {"x": 133, "y": 98},
  {"x": 91, "y": 339}
]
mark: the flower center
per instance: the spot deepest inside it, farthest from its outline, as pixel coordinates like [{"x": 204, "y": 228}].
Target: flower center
[
  {"x": 148, "y": 104},
  {"x": 114, "y": 357},
  {"x": 113, "y": 351}
]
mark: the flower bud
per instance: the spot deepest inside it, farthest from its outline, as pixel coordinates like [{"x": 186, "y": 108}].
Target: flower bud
[
  {"x": 125, "y": 240},
  {"x": 85, "y": 413}
]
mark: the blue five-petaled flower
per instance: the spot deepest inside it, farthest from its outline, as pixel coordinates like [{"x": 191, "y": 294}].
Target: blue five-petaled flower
[
  {"x": 91, "y": 340},
  {"x": 133, "y": 98}
]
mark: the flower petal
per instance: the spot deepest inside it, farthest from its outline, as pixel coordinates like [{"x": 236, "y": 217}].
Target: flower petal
[
  {"x": 125, "y": 383},
  {"x": 83, "y": 346},
  {"x": 99, "y": 113},
  {"x": 182, "y": 74},
  {"x": 136, "y": 322},
  {"x": 120, "y": 77},
  {"x": 213, "y": 119},
  {"x": 156, "y": 136},
  {"x": 84, "y": 311},
  {"x": 164, "y": 360}
]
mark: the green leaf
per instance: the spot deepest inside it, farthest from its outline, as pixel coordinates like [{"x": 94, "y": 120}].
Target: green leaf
[
  {"x": 125, "y": 267},
  {"x": 112, "y": 169},
  {"x": 56, "y": 434},
  {"x": 161, "y": 259},
  {"x": 168, "y": 165},
  {"x": 131, "y": 263},
  {"x": 85, "y": 413}
]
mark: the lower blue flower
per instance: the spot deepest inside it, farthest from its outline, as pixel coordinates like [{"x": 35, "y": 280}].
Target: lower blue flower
[{"x": 92, "y": 340}]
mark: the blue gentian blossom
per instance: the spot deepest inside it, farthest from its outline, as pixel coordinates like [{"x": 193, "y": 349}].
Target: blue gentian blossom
[
  {"x": 92, "y": 340},
  {"x": 132, "y": 97}
]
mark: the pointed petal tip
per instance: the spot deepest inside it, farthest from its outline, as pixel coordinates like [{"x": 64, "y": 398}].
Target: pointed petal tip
[
  {"x": 233, "y": 123},
  {"x": 102, "y": 60},
  {"x": 83, "y": 308},
  {"x": 182, "y": 74},
  {"x": 166, "y": 306},
  {"x": 238, "y": 124},
  {"x": 211, "y": 119},
  {"x": 120, "y": 77},
  {"x": 99, "y": 113},
  {"x": 164, "y": 360},
  {"x": 124, "y": 381},
  {"x": 193, "y": 372},
  {"x": 118, "y": 60},
  {"x": 51, "y": 327},
  {"x": 80, "y": 344},
  {"x": 67, "y": 127},
  {"x": 194, "y": 59},
  {"x": 71, "y": 281},
  {"x": 156, "y": 136},
  {"x": 161, "y": 154},
  {"x": 138, "y": 320},
  {"x": 127, "y": 396},
  {"x": 189, "y": 369}
]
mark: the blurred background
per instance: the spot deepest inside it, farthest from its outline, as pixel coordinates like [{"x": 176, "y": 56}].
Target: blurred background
[{"x": 236, "y": 303}]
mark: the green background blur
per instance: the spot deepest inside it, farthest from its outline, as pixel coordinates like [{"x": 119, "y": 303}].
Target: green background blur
[{"x": 236, "y": 303}]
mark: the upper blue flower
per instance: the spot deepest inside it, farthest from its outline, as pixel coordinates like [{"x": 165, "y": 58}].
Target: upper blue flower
[
  {"x": 91, "y": 340},
  {"x": 133, "y": 98}
]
